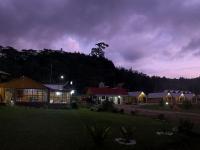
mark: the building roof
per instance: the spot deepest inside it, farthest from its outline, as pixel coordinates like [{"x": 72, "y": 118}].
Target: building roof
[
  {"x": 134, "y": 94},
  {"x": 23, "y": 83},
  {"x": 57, "y": 87},
  {"x": 157, "y": 95},
  {"x": 176, "y": 94},
  {"x": 189, "y": 96},
  {"x": 106, "y": 91}
]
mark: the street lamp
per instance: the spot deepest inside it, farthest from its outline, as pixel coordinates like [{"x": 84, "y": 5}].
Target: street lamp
[
  {"x": 62, "y": 77},
  {"x": 72, "y": 92}
]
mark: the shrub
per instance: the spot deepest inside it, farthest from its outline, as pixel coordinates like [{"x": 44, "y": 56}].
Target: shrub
[
  {"x": 186, "y": 104},
  {"x": 133, "y": 112},
  {"x": 107, "y": 105},
  {"x": 127, "y": 133},
  {"x": 121, "y": 110},
  {"x": 98, "y": 134},
  {"x": 185, "y": 126},
  {"x": 162, "y": 103},
  {"x": 74, "y": 105},
  {"x": 115, "y": 110},
  {"x": 161, "y": 117}
]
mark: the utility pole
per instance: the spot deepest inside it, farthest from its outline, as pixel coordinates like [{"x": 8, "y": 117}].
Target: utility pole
[{"x": 51, "y": 74}]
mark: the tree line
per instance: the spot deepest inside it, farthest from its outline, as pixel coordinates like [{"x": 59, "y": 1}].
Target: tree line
[{"x": 84, "y": 70}]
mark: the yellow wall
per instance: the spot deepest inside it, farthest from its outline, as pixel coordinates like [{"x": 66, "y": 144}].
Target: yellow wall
[{"x": 2, "y": 95}]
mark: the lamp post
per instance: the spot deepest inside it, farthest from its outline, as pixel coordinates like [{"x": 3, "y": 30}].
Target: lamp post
[{"x": 62, "y": 77}]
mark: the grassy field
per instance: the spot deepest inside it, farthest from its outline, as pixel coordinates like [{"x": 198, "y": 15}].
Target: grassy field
[{"x": 45, "y": 129}]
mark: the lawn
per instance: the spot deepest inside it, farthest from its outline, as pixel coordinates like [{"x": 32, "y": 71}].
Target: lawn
[{"x": 47, "y": 129}]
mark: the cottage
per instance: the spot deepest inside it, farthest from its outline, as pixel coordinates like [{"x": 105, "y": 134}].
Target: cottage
[
  {"x": 23, "y": 90},
  {"x": 181, "y": 96},
  {"x": 136, "y": 97},
  {"x": 177, "y": 97},
  {"x": 157, "y": 97},
  {"x": 100, "y": 94},
  {"x": 58, "y": 94},
  {"x": 190, "y": 97}
]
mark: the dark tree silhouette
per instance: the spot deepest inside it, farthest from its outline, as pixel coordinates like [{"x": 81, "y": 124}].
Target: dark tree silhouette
[
  {"x": 99, "y": 51},
  {"x": 84, "y": 71}
]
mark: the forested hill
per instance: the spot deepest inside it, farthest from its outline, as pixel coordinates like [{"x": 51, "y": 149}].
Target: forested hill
[{"x": 84, "y": 71}]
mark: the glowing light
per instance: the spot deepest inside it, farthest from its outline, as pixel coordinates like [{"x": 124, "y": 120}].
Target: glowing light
[
  {"x": 167, "y": 103},
  {"x": 72, "y": 92},
  {"x": 71, "y": 82},
  {"x": 119, "y": 96},
  {"x": 62, "y": 77},
  {"x": 58, "y": 93},
  {"x": 51, "y": 101}
]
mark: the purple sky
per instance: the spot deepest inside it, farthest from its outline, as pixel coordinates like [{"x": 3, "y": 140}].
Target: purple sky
[{"x": 157, "y": 37}]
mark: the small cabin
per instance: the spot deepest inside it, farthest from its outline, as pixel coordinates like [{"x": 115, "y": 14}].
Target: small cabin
[
  {"x": 136, "y": 97},
  {"x": 100, "y": 94},
  {"x": 159, "y": 96}
]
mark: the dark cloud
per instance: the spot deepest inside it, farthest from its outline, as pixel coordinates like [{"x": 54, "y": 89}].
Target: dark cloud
[
  {"x": 193, "y": 45},
  {"x": 134, "y": 29}
]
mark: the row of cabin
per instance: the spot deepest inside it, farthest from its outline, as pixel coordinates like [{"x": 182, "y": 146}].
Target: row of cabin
[
  {"x": 24, "y": 89},
  {"x": 122, "y": 96}
]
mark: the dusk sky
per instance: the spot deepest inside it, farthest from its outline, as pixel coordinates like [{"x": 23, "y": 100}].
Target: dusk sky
[{"x": 156, "y": 37}]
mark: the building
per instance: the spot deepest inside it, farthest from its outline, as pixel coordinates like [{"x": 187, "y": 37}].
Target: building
[
  {"x": 136, "y": 97},
  {"x": 100, "y": 94},
  {"x": 172, "y": 96},
  {"x": 58, "y": 94},
  {"x": 23, "y": 90},
  {"x": 179, "y": 97},
  {"x": 158, "y": 97}
]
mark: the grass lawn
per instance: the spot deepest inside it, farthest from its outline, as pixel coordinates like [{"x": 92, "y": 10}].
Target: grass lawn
[{"x": 45, "y": 129}]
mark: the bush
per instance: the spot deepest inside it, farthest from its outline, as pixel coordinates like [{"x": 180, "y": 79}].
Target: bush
[
  {"x": 121, "y": 110},
  {"x": 107, "y": 105},
  {"x": 74, "y": 105},
  {"x": 162, "y": 103},
  {"x": 127, "y": 133},
  {"x": 185, "y": 126},
  {"x": 161, "y": 117},
  {"x": 186, "y": 104},
  {"x": 115, "y": 110},
  {"x": 133, "y": 112},
  {"x": 98, "y": 134}
]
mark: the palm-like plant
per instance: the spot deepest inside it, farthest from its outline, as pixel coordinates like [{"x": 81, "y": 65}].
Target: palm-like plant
[
  {"x": 127, "y": 133},
  {"x": 98, "y": 134}
]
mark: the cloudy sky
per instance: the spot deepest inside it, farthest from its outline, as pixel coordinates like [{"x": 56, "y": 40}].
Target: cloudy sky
[{"x": 157, "y": 37}]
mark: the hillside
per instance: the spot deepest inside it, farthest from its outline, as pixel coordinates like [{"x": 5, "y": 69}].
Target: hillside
[{"x": 83, "y": 70}]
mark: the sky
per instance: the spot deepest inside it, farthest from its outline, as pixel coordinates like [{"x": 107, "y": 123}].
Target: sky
[{"x": 156, "y": 37}]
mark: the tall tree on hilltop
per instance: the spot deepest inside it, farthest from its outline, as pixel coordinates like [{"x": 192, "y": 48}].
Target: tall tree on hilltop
[{"x": 98, "y": 52}]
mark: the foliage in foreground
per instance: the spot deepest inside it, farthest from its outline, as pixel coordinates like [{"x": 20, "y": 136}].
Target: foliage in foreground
[
  {"x": 98, "y": 134},
  {"x": 127, "y": 133}
]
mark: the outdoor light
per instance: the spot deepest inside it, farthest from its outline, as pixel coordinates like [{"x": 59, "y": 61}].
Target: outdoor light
[
  {"x": 72, "y": 92},
  {"x": 167, "y": 103},
  {"x": 51, "y": 101},
  {"x": 119, "y": 96},
  {"x": 58, "y": 93},
  {"x": 62, "y": 77},
  {"x": 71, "y": 82}
]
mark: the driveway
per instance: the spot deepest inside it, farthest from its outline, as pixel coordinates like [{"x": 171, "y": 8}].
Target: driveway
[{"x": 172, "y": 115}]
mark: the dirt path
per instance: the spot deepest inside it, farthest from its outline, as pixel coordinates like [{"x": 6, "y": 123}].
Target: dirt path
[{"x": 173, "y": 115}]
